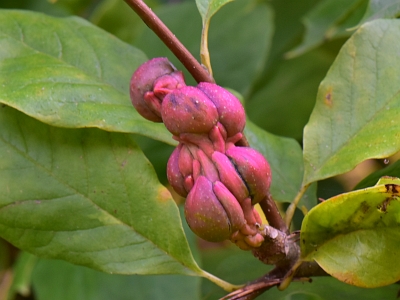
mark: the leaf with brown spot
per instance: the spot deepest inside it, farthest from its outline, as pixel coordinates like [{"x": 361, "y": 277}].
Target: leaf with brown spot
[
  {"x": 355, "y": 237},
  {"x": 329, "y": 97},
  {"x": 363, "y": 120}
]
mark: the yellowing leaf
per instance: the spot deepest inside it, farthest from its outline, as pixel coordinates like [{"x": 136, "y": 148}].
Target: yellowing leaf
[{"x": 355, "y": 237}]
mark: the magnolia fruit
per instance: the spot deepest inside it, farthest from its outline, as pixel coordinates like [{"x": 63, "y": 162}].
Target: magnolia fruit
[
  {"x": 150, "y": 83},
  {"x": 229, "y": 176},
  {"x": 174, "y": 175},
  {"x": 231, "y": 112},
  {"x": 212, "y": 212},
  {"x": 188, "y": 110},
  {"x": 222, "y": 182},
  {"x": 253, "y": 169}
]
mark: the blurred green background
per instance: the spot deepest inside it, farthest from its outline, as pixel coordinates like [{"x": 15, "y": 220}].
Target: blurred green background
[{"x": 249, "y": 41}]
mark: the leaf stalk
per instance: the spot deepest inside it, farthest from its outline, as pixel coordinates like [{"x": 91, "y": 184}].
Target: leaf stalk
[
  {"x": 221, "y": 283},
  {"x": 292, "y": 207}
]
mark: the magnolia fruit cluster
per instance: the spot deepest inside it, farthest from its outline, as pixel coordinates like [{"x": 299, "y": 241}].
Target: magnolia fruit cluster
[{"x": 221, "y": 181}]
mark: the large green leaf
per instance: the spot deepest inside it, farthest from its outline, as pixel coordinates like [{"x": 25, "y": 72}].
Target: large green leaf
[
  {"x": 66, "y": 72},
  {"x": 285, "y": 158},
  {"x": 327, "y": 20},
  {"x": 89, "y": 197},
  {"x": 357, "y": 112},
  {"x": 239, "y": 39},
  {"x": 355, "y": 237},
  {"x": 85, "y": 284}
]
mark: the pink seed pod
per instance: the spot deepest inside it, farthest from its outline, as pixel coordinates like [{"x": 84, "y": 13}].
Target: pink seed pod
[
  {"x": 204, "y": 214},
  {"x": 185, "y": 161},
  {"x": 174, "y": 175},
  {"x": 142, "y": 83},
  {"x": 207, "y": 167},
  {"x": 254, "y": 169},
  {"x": 231, "y": 206},
  {"x": 167, "y": 83},
  {"x": 231, "y": 112},
  {"x": 229, "y": 176},
  {"x": 212, "y": 217},
  {"x": 188, "y": 110}
]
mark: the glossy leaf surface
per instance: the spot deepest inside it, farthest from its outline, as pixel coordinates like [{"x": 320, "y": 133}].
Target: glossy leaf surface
[
  {"x": 88, "y": 197},
  {"x": 357, "y": 112},
  {"x": 66, "y": 72},
  {"x": 355, "y": 236}
]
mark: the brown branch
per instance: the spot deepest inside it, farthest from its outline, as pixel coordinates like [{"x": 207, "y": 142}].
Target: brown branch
[
  {"x": 274, "y": 278},
  {"x": 272, "y": 214},
  {"x": 199, "y": 73}
]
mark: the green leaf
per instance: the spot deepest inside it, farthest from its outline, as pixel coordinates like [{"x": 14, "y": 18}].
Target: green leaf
[
  {"x": 89, "y": 197},
  {"x": 330, "y": 19},
  {"x": 208, "y": 8},
  {"x": 355, "y": 236},
  {"x": 381, "y": 10},
  {"x": 242, "y": 23},
  {"x": 66, "y": 72},
  {"x": 285, "y": 158},
  {"x": 357, "y": 112},
  {"x": 87, "y": 284}
]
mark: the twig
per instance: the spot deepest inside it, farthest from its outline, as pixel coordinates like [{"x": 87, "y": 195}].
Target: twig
[
  {"x": 275, "y": 277},
  {"x": 272, "y": 214},
  {"x": 199, "y": 73}
]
